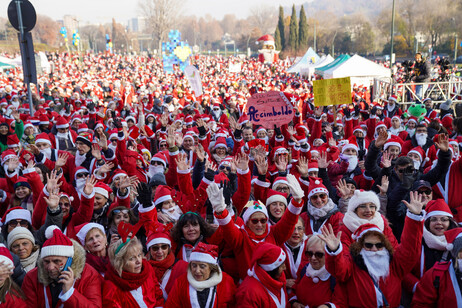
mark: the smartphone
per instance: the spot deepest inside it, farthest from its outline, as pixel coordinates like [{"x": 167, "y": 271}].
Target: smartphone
[{"x": 68, "y": 264}]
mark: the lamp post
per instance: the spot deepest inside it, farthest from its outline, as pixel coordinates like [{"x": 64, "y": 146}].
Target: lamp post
[{"x": 392, "y": 35}]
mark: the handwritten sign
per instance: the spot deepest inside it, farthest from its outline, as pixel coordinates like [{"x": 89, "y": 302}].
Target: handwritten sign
[
  {"x": 335, "y": 91},
  {"x": 269, "y": 109}
]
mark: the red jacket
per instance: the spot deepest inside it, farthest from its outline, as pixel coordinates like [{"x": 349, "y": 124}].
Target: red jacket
[
  {"x": 311, "y": 293},
  {"x": 15, "y": 302},
  {"x": 355, "y": 286},
  {"x": 335, "y": 220},
  {"x": 183, "y": 295},
  {"x": 448, "y": 294},
  {"x": 450, "y": 189}
]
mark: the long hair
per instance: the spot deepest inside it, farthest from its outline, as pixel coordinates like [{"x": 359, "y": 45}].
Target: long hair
[
  {"x": 356, "y": 247},
  {"x": 9, "y": 286},
  {"x": 194, "y": 219},
  {"x": 118, "y": 260}
]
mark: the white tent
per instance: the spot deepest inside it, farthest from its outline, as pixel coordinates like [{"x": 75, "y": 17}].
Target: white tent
[
  {"x": 361, "y": 70},
  {"x": 308, "y": 71},
  {"x": 309, "y": 58}
]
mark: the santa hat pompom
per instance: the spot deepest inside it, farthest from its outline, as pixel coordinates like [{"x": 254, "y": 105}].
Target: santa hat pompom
[
  {"x": 317, "y": 182},
  {"x": 49, "y": 231},
  {"x": 426, "y": 159},
  {"x": 71, "y": 198},
  {"x": 449, "y": 247}
]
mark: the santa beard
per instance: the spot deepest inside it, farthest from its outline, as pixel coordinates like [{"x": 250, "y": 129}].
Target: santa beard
[
  {"x": 80, "y": 184},
  {"x": 62, "y": 135},
  {"x": 377, "y": 263},
  {"x": 421, "y": 138},
  {"x": 79, "y": 159},
  {"x": 174, "y": 212},
  {"x": 155, "y": 169},
  {"x": 390, "y": 107},
  {"x": 216, "y": 114},
  {"x": 46, "y": 152},
  {"x": 416, "y": 164},
  {"x": 352, "y": 162}
]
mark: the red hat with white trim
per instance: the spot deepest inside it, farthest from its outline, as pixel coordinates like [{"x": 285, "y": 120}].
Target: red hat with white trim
[
  {"x": 380, "y": 124},
  {"x": 316, "y": 186},
  {"x": 161, "y": 158},
  {"x": 243, "y": 119},
  {"x": 160, "y": 236},
  {"x": 13, "y": 141},
  {"x": 358, "y": 128},
  {"x": 102, "y": 189},
  {"x": 352, "y": 144},
  {"x": 393, "y": 98},
  {"x": 5, "y": 256},
  {"x": 204, "y": 253},
  {"x": 43, "y": 118},
  {"x": 268, "y": 256},
  {"x": 163, "y": 193},
  {"x": 83, "y": 128},
  {"x": 362, "y": 197},
  {"x": 394, "y": 140},
  {"x": 83, "y": 229},
  {"x": 363, "y": 229},
  {"x": 279, "y": 180},
  {"x": 253, "y": 207},
  {"x": 15, "y": 213},
  {"x": 43, "y": 137},
  {"x": 313, "y": 166},
  {"x": 275, "y": 196},
  {"x": 420, "y": 152},
  {"x": 28, "y": 124},
  {"x": 7, "y": 155},
  {"x": 61, "y": 123},
  {"x": 437, "y": 207},
  {"x": 451, "y": 236},
  {"x": 220, "y": 143},
  {"x": 57, "y": 244}
]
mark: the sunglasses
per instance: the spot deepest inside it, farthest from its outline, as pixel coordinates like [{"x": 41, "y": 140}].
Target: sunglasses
[
  {"x": 113, "y": 140},
  {"x": 61, "y": 204},
  {"x": 120, "y": 211},
  {"x": 408, "y": 169},
  {"x": 225, "y": 167},
  {"x": 322, "y": 196},
  {"x": 82, "y": 175},
  {"x": 22, "y": 223},
  {"x": 427, "y": 192},
  {"x": 370, "y": 245},
  {"x": 163, "y": 247},
  {"x": 256, "y": 221},
  {"x": 317, "y": 255},
  {"x": 163, "y": 145}
]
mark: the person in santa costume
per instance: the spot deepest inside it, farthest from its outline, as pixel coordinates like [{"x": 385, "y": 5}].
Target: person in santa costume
[
  {"x": 92, "y": 236},
  {"x": 440, "y": 285},
  {"x": 265, "y": 279},
  {"x": 53, "y": 284},
  {"x": 130, "y": 281},
  {"x": 256, "y": 228},
  {"x": 295, "y": 249},
  {"x": 371, "y": 274},
  {"x": 315, "y": 285},
  {"x": 204, "y": 284},
  {"x": 11, "y": 294},
  {"x": 61, "y": 136},
  {"x": 21, "y": 242}
]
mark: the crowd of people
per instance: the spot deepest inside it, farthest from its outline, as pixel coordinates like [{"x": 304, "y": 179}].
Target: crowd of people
[{"x": 121, "y": 188}]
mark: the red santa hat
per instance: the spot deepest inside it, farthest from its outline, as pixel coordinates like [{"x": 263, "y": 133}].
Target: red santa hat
[
  {"x": 43, "y": 137},
  {"x": 268, "y": 256},
  {"x": 16, "y": 213},
  {"x": 358, "y": 128},
  {"x": 86, "y": 138},
  {"x": 130, "y": 118},
  {"x": 394, "y": 140},
  {"x": 279, "y": 151},
  {"x": 313, "y": 166},
  {"x": 163, "y": 193},
  {"x": 380, "y": 124},
  {"x": 451, "y": 237},
  {"x": 437, "y": 207},
  {"x": 13, "y": 141},
  {"x": 220, "y": 143},
  {"x": 393, "y": 98},
  {"x": 99, "y": 124},
  {"x": 412, "y": 119},
  {"x": 253, "y": 207},
  {"x": 279, "y": 180},
  {"x": 316, "y": 186},
  {"x": 62, "y": 123},
  {"x": 396, "y": 117},
  {"x": 83, "y": 128},
  {"x": 243, "y": 119},
  {"x": 420, "y": 152},
  {"x": 7, "y": 155},
  {"x": 275, "y": 196},
  {"x": 362, "y": 197},
  {"x": 188, "y": 120},
  {"x": 5, "y": 256},
  {"x": 28, "y": 124},
  {"x": 43, "y": 118},
  {"x": 57, "y": 244},
  {"x": 161, "y": 158},
  {"x": 363, "y": 229},
  {"x": 83, "y": 229},
  {"x": 204, "y": 253},
  {"x": 102, "y": 189},
  {"x": 160, "y": 236},
  {"x": 352, "y": 144}
]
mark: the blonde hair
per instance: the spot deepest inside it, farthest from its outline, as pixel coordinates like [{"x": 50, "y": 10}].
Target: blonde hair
[
  {"x": 313, "y": 240},
  {"x": 118, "y": 260}
]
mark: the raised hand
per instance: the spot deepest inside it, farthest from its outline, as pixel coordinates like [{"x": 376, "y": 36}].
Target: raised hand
[
  {"x": 30, "y": 164},
  {"x": 302, "y": 166},
  {"x": 62, "y": 160},
  {"x": 443, "y": 142},
  {"x": 178, "y": 139},
  {"x": 384, "y": 185},
  {"x": 322, "y": 160},
  {"x": 171, "y": 136},
  {"x": 332, "y": 143},
  {"x": 164, "y": 120},
  {"x": 106, "y": 167},
  {"x": 128, "y": 182},
  {"x": 328, "y": 128},
  {"x": 295, "y": 190},
  {"x": 281, "y": 163},
  {"x": 328, "y": 237},
  {"x": 242, "y": 161},
  {"x": 89, "y": 184},
  {"x": 34, "y": 149},
  {"x": 416, "y": 203},
  {"x": 53, "y": 199},
  {"x": 13, "y": 163},
  {"x": 52, "y": 182},
  {"x": 216, "y": 198},
  {"x": 343, "y": 189},
  {"x": 182, "y": 162},
  {"x": 102, "y": 142},
  {"x": 386, "y": 160},
  {"x": 144, "y": 195},
  {"x": 96, "y": 151},
  {"x": 200, "y": 152},
  {"x": 262, "y": 165},
  {"x": 291, "y": 130},
  {"x": 381, "y": 139}
]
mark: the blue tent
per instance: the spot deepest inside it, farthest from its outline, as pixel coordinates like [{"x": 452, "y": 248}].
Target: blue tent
[{"x": 309, "y": 58}]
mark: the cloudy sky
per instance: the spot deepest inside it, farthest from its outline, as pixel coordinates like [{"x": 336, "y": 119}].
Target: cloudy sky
[{"x": 96, "y": 11}]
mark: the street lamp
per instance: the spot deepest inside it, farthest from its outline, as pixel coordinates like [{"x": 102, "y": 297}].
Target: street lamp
[{"x": 392, "y": 34}]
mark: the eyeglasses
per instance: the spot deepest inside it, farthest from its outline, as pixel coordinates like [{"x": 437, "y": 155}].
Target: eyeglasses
[
  {"x": 61, "y": 204},
  {"x": 408, "y": 169},
  {"x": 322, "y": 196},
  {"x": 163, "y": 145},
  {"x": 426, "y": 191},
  {"x": 442, "y": 219},
  {"x": 317, "y": 255},
  {"x": 163, "y": 247},
  {"x": 364, "y": 206},
  {"x": 120, "y": 211},
  {"x": 255, "y": 221},
  {"x": 282, "y": 188},
  {"x": 370, "y": 245},
  {"x": 82, "y": 175},
  {"x": 23, "y": 223}
]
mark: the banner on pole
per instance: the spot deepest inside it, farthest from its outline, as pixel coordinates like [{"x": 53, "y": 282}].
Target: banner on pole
[
  {"x": 335, "y": 91},
  {"x": 194, "y": 78}
]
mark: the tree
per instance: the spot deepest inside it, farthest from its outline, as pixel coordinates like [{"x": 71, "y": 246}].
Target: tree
[
  {"x": 302, "y": 30},
  {"x": 263, "y": 17},
  {"x": 46, "y": 30},
  {"x": 161, "y": 17},
  {"x": 281, "y": 27},
  {"x": 293, "y": 30},
  {"x": 277, "y": 39}
]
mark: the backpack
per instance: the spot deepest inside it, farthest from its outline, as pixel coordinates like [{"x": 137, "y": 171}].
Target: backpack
[{"x": 438, "y": 271}]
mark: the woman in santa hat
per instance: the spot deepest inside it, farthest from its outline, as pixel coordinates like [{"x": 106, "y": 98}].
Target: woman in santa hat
[
  {"x": 364, "y": 208},
  {"x": 256, "y": 229},
  {"x": 92, "y": 236},
  {"x": 294, "y": 248},
  {"x": 11, "y": 294},
  {"x": 440, "y": 285},
  {"x": 219, "y": 150},
  {"x": 204, "y": 284},
  {"x": 21, "y": 242},
  {"x": 315, "y": 285},
  {"x": 370, "y": 275},
  {"x": 276, "y": 203},
  {"x": 265, "y": 278},
  {"x": 438, "y": 220}
]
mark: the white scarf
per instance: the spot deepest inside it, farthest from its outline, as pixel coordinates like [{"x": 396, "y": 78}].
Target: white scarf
[
  {"x": 318, "y": 213},
  {"x": 434, "y": 241},
  {"x": 31, "y": 261},
  {"x": 321, "y": 273},
  {"x": 213, "y": 281},
  {"x": 396, "y": 131},
  {"x": 79, "y": 159},
  {"x": 377, "y": 263},
  {"x": 353, "y": 222}
]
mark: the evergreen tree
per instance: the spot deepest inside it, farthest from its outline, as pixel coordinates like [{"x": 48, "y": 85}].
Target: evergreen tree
[
  {"x": 277, "y": 39},
  {"x": 281, "y": 28},
  {"x": 293, "y": 30},
  {"x": 302, "y": 30}
]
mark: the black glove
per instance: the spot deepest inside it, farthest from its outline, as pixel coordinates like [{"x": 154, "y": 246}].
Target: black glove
[
  {"x": 228, "y": 191},
  {"x": 238, "y": 133},
  {"x": 91, "y": 106},
  {"x": 117, "y": 123},
  {"x": 277, "y": 130},
  {"x": 374, "y": 110},
  {"x": 209, "y": 174},
  {"x": 144, "y": 195},
  {"x": 202, "y": 131},
  {"x": 67, "y": 107},
  {"x": 113, "y": 114},
  {"x": 357, "y": 110},
  {"x": 347, "y": 112}
]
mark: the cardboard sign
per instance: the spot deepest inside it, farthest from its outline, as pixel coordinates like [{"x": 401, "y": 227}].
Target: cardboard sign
[
  {"x": 335, "y": 91},
  {"x": 269, "y": 109},
  {"x": 194, "y": 77}
]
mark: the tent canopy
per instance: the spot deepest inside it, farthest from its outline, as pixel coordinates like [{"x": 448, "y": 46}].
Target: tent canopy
[
  {"x": 321, "y": 70},
  {"x": 356, "y": 66},
  {"x": 310, "y": 57}
]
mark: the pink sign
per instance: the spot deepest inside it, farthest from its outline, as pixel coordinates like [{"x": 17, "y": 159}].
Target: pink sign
[{"x": 269, "y": 109}]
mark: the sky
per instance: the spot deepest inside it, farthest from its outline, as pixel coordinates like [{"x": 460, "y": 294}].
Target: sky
[{"x": 102, "y": 11}]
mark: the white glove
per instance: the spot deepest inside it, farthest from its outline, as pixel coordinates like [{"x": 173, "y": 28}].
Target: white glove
[
  {"x": 216, "y": 198},
  {"x": 295, "y": 189}
]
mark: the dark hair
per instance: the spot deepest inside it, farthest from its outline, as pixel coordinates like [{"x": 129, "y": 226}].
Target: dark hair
[
  {"x": 420, "y": 126},
  {"x": 45, "y": 171},
  {"x": 356, "y": 247},
  {"x": 403, "y": 161},
  {"x": 457, "y": 122},
  {"x": 110, "y": 218},
  {"x": 452, "y": 224},
  {"x": 274, "y": 273},
  {"x": 194, "y": 219}
]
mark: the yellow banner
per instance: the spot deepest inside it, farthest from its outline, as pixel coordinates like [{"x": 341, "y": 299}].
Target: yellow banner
[{"x": 335, "y": 91}]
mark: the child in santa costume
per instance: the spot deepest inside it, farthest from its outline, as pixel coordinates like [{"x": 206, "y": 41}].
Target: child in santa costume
[{"x": 204, "y": 284}]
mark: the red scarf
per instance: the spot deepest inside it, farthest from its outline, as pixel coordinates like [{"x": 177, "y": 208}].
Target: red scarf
[
  {"x": 160, "y": 267},
  {"x": 255, "y": 237},
  {"x": 274, "y": 286},
  {"x": 129, "y": 281},
  {"x": 98, "y": 263}
]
